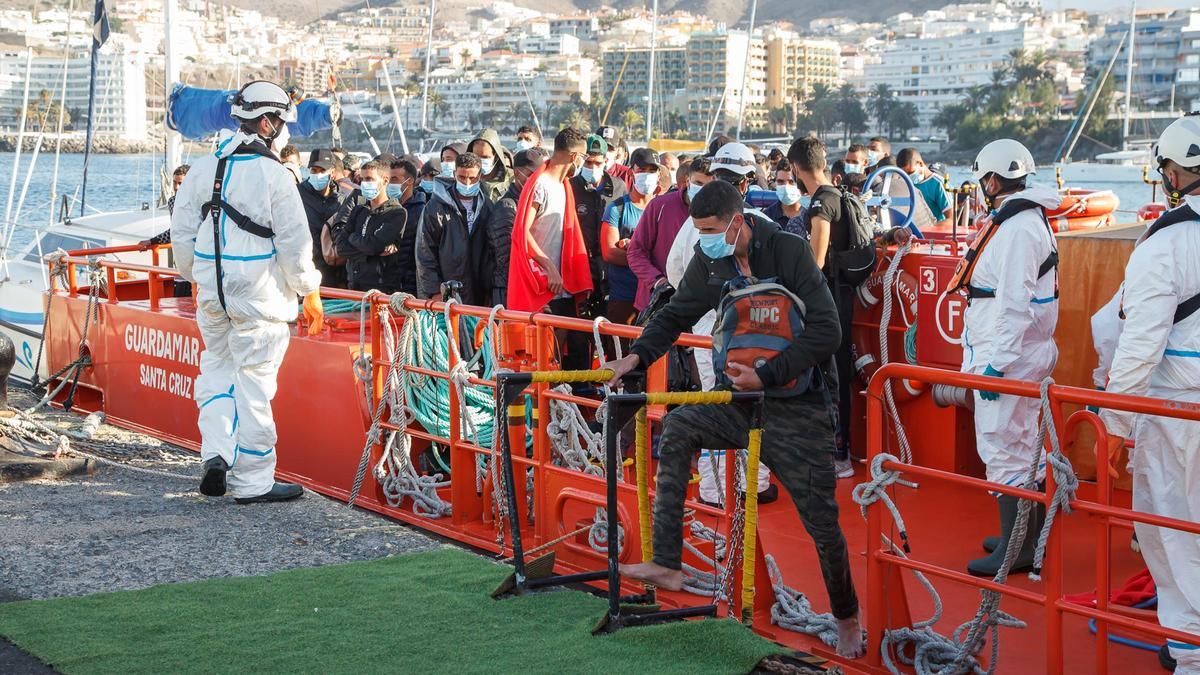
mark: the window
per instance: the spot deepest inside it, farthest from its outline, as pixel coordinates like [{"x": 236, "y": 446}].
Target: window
[{"x": 52, "y": 241}]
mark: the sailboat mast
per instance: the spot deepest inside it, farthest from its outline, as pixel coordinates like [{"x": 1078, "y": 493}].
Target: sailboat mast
[
  {"x": 174, "y": 146},
  {"x": 650, "y": 88},
  {"x": 428, "y": 64},
  {"x": 746, "y": 68},
  {"x": 1129, "y": 75}
]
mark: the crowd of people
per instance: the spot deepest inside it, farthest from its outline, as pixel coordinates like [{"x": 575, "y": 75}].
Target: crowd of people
[{"x": 583, "y": 225}]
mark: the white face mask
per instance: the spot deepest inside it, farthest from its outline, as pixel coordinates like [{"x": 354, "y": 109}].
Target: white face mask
[
  {"x": 281, "y": 139},
  {"x": 646, "y": 183}
]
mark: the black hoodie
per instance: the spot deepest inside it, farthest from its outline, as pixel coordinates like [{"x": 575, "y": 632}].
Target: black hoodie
[{"x": 363, "y": 240}]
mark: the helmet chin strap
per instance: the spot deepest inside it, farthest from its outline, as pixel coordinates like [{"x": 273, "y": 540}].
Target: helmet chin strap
[{"x": 1175, "y": 195}]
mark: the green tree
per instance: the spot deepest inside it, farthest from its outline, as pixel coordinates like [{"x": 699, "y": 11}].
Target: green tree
[
  {"x": 882, "y": 100},
  {"x": 901, "y": 118},
  {"x": 632, "y": 122},
  {"x": 850, "y": 112}
]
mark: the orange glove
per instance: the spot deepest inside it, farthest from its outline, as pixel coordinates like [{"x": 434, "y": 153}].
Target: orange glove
[
  {"x": 1116, "y": 445},
  {"x": 314, "y": 312}
]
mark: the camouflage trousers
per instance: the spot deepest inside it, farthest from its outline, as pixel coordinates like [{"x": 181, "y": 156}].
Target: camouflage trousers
[{"x": 798, "y": 447}]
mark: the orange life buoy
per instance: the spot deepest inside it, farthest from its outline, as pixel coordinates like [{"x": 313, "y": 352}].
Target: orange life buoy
[
  {"x": 868, "y": 312},
  {"x": 1079, "y": 203},
  {"x": 1072, "y": 224}
]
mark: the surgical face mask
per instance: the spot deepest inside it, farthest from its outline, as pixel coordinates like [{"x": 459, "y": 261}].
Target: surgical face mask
[
  {"x": 486, "y": 166},
  {"x": 872, "y": 158},
  {"x": 447, "y": 170},
  {"x": 369, "y": 189},
  {"x": 319, "y": 181},
  {"x": 280, "y": 140},
  {"x": 396, "y": 191},
  {"x": 610, "y": 161},
  {"x": 524, "y": 144},
  {"x": 852, "y": 169},
  {"x": 788, "y": 194},
  {"x": 590, "y": 175},
  {"x": 714, "y": 245},
  {"x": 693, "y": 190},
  {"x": 466, "y": 190},
  {"x": 427, "y": 185},
  {"x": 916, "y": 176},
  {"x": 646, "y": 183}
]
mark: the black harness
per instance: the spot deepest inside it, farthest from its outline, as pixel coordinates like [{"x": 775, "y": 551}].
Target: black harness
[
  {"x": 215, "y": 206},
  {"x": 1009, "y": 209},
  {"x": 1180, "y": 214}
]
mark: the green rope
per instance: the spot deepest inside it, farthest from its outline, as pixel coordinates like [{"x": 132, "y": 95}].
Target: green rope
[
  {"x": 910, "y": 343},
  {"x": 430, "y": 397}
]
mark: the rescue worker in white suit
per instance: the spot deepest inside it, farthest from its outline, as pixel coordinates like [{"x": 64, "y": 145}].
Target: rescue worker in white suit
[
  {"x": 1158, "y": 354},
  {"x": 241, "y": 237},
  {"x": 1009, "y": 330}
]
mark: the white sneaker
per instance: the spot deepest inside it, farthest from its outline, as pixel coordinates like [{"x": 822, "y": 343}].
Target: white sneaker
[{"x": 844, "y": 468}]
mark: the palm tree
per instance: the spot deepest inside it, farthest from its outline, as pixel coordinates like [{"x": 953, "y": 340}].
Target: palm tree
[
  {"x": 976, "y": 98},
  {"x": 902, "y": 117},
  {"x": 882, "y": 100},
  {"x": 850, "y": 112},
  {"x": 632, "y": 120}
]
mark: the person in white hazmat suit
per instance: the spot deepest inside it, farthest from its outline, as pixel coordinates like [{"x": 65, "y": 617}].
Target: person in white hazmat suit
[
  {"x": 711, "y": 464},
  {"x": 241, "y": 237},
  {"x": 1158, "y": 354},
  {"x": 1009, "y": 332}
]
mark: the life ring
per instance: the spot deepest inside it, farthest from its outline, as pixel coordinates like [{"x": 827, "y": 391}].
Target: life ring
[
  {"x": 1073, "y": 224},
  {"x": 1150, "y": 212},
  {"x": 1079, "y": 203},
  {"x": 868, "y": 312}
]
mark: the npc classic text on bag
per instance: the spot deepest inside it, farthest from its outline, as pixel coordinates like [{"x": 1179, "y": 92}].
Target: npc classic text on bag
[{"x": 757, "y": 320}]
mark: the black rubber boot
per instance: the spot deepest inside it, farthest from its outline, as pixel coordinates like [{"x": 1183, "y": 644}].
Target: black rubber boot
[
  {"x": 990, "y": 565},
  {"x": 990, "y": 543},
  {"x": 212, "y": 481},
  {"x": 1165, "y": 660},
  {"x": 280, "y": 492}
]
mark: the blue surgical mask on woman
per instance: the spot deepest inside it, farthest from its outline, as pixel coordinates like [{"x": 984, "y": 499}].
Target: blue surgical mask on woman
[
  {"x": 319, "y": 181},
  {"x": 714, "y": 245},
  {"x": 369, "y": 189},
  {"x": 466, "y": 190},
  {"x": 591, "y": 176},
  {"x": 427, "y": 185},
  {"x": 646, "y": 183},
  {"x": 788, "y": 194}
]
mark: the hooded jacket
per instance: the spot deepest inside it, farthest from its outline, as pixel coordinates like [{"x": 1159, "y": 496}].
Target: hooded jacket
[
  {"x": 496, "y": 183},
  {"x": 500, "y": 228},
  {"x": 321, "y": 209},
  {"x": 406, "y": 255},
  {"x": 363, "y": 239},
  {"x": 773, "y": 253},
  {"x": 448, "y": 251}
]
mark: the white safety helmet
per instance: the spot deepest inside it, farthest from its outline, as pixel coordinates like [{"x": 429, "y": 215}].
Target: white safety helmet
[
  {"x": 735, "y": 157},
  {"x": 1004, "y": 157},
  {"x": 261, "y": 97},
  {"x": 1180, "y": 143}
]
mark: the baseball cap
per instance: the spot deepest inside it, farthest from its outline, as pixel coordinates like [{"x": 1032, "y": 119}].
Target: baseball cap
[
  {"x": 644, "y": 158},
  {"x": 528, "y": 158},
  {"x": 735, "y": 157},
  {"x": 611, "y": 135},
  {"x": 596, "y": 145},
  {"x": 324, "y": 159}
]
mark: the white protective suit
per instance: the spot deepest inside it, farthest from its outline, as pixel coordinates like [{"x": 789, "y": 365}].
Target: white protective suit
[
  {"x": 1014, "y": 333},
  {"x": 245, "y": 341},
  {"x": 1156, "y": 357},
  {"x": 712, "y": 478}
]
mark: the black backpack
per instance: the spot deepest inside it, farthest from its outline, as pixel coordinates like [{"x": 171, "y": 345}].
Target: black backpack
[{"x": 856, "y": 263}]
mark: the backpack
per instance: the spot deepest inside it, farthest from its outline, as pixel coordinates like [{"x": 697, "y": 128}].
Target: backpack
[
  {"x": 682, "y": 372},
  {"x": 756, "y": 321},
  {"x": 856, "y": 263}
]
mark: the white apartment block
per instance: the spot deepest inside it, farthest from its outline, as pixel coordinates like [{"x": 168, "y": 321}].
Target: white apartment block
[
  {"x": 120, "y": 111},
  {"x": 717, "y": 69}
]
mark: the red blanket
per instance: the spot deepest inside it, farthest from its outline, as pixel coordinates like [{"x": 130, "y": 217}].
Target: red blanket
[{"x": 528, "y": 290}]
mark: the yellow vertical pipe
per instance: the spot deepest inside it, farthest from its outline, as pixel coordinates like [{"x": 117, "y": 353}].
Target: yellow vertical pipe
[
  {"x": 642, "y": 456},
  {"x": 750, "y": 541}
]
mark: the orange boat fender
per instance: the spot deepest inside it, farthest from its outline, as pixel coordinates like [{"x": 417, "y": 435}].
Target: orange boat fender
[
  {"x": 1064, "y": 224},
  {"x": 865, "y": 340},
  {"x": 1078, "y": 203},
  {"x": 1151, "y": 211}
]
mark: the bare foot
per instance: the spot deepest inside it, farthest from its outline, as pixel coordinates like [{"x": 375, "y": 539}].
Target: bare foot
[
  {"x": 662, "y": 577},
  {"x": 850, "y": 638}
]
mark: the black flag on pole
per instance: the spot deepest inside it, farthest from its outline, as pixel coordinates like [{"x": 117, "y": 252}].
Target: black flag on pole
[{"x": 100, "y": 32}]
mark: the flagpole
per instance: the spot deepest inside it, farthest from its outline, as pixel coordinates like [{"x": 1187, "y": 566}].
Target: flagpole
[{"x": 99, "y": 36}]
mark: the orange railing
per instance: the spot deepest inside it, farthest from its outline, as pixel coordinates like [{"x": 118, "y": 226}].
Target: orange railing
[
  {"x": 114, "y": 270},
  {"x": 1052, "y": 600}
]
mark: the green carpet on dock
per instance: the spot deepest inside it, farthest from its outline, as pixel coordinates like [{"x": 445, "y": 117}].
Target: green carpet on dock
[{"x": 418, "y": 613}]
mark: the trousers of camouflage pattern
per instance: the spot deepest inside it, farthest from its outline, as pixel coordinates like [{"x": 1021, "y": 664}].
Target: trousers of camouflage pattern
[{"x": 797, "y": 445}]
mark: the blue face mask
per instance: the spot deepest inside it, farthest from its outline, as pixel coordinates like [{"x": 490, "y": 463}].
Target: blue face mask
[
  {"x": 714, "y": 245},
  {"x": 447, "y": 170},
  {"x": 395, "y": 191},
  {"x": 916, "y": 176},
  {"x": 693, "y": 190},
  {"x": 466, "y": 190},
  {"x": 486, "y": 166},
  {"x": 524, "y": 144},
  {"x": 872, "y": 158},
  {"x": 788, "y": 194},
  {"x": 852, "y": 169},
  {"x": 369, "y": 189},
  {"x": 427, "y": 185},
  {"x": 319, "y": 181},
  {"x": 590, "y": 175}
]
